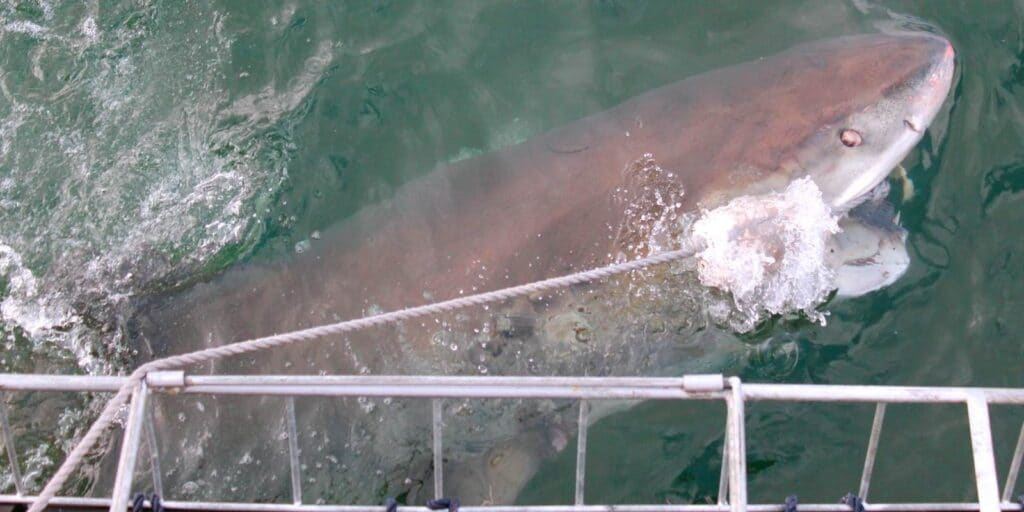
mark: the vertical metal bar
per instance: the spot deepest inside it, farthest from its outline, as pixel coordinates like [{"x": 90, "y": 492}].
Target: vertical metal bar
[
  {"x": 12, "y": 452},
  {"x": 129, "y": 449},
  {"x": 736, "y": 438},
  {"x": 869, "y": 457},
  {"x": 984, "y": 459},
  {"x": 154, "y": 455},
  {"x": 438, "y": 459},
  {"x": 293, "y": 451},
  {"x": 581, "y": 451},
  {"x": 1011, "y": 478},
  {"x": 723, "y": 478}
]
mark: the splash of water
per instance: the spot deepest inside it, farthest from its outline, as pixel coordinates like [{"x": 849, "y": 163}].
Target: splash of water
[
  {"x": 768, "y": 252},
  {"x": 134, "y": 192}
]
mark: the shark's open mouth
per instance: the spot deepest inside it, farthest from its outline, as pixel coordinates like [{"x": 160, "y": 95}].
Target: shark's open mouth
[
  {"x": 773, "y": 253},
  {"x": 869, "y": 253},
  {"x": 786, "y": 252}
]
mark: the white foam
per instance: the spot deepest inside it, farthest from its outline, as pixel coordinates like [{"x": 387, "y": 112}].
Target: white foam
[
  {"x": 25, "y": 27},
  {"x": 23, "y": 303},
  {"x": 89, "y": 29},
  {"x": 768, "y": 252},
  {"x": 141, "y": 196}
]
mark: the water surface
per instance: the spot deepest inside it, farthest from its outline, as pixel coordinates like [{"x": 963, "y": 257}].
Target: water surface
[{"x": 146, "y": 146}]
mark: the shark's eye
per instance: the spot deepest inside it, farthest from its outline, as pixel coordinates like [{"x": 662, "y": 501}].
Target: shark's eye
[{"x": 850, "y": 138}]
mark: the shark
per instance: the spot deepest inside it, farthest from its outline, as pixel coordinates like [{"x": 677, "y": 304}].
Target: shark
[{"x": 841, "y": 113}]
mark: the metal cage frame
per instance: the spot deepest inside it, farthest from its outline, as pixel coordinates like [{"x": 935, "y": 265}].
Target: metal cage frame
[{"x": 733, "y": 481}]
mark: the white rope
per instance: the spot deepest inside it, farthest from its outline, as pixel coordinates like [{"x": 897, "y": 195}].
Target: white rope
[{"x": 106, "y": 417}]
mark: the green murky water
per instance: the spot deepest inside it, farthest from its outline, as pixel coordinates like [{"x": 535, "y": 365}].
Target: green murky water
[{"x": 145, "y": 146}]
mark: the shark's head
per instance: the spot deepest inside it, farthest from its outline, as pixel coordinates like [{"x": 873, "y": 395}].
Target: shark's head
[
  {"x": 844, "y": 113},
  {"x": 890, "y": 88},
  {"x": 896, "y": 85}
]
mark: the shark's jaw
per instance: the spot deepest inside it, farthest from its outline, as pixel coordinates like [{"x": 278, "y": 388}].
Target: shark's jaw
[
  {"x": 870, "y": 252},
  {"x": 849, "y": 143},
  {"x": 851, "y": 158}
]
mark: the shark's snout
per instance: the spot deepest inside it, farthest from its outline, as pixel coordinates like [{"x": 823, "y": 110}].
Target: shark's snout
[
  {"x": 894, "y": 86},
  {"x": 933, "y": 83}
]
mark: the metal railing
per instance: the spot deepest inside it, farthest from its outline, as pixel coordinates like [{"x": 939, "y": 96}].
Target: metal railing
[{"x": 733, "y": 481}]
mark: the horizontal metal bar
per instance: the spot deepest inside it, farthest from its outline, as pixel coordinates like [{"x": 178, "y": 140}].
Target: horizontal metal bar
[
  {"x": 412, "y": 391},
  {"x": 274, "y": 507},
  {"x": 463, "y": 386},
  {"x": 423, "y": 380},
  {"x": 886, "y": 394},
  {"x": 39, "y": 382}
]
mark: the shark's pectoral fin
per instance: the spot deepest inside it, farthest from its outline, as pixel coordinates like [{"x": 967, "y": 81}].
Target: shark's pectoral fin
[{"x": 870, "y": 253}]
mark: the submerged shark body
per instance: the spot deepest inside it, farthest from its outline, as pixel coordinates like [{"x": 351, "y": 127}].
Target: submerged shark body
[{"x": 842, "y": 113}]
